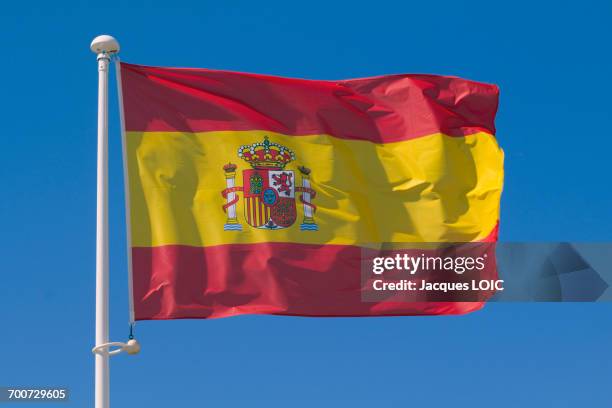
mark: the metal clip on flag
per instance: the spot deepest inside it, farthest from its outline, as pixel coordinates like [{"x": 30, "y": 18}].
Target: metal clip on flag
[{"x": 131, "y": 347}]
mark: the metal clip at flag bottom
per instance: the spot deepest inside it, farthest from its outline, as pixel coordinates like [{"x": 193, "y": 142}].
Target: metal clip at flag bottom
[{"x": 131, "y": 347}]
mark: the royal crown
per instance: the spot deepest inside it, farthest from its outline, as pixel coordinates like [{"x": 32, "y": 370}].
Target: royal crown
[
  {"x": 266, "y": 155},
  {"x": 230, "y": 168}
]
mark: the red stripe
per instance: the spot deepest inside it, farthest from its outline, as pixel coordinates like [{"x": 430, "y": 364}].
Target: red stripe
[
  {"x": 381, "y": 109},
  {"x": 174, "y": 281},
  {"x": 248, "y": 211},
  {"x": 254, "y": 203},
  {"x": 262, "y": 211}
]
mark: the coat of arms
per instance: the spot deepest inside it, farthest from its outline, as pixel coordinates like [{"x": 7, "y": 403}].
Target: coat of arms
[{"x": 269, "y": 189}]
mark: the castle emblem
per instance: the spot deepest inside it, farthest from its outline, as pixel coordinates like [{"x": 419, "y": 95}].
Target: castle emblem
[{"x": 269, "y": 189}]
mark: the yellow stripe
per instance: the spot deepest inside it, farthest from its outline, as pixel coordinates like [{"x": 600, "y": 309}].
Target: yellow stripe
[{"x": 430, "y": 189}]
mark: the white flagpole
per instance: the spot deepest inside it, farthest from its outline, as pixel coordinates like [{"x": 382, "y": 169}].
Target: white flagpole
[{"x": 104, "y": 46}]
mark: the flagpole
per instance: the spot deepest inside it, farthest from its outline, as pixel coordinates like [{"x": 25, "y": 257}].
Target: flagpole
[{"x": 103, "y": 46}]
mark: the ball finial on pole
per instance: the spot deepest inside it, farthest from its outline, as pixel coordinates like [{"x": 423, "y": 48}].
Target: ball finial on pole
[{"x": 105, "y": 44}]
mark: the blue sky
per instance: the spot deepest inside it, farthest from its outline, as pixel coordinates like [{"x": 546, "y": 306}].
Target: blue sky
[{"x": 552, "y": 63}]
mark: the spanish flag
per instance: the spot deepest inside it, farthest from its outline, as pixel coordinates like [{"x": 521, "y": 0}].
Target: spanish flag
[{"x": 255, "y": 194}]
